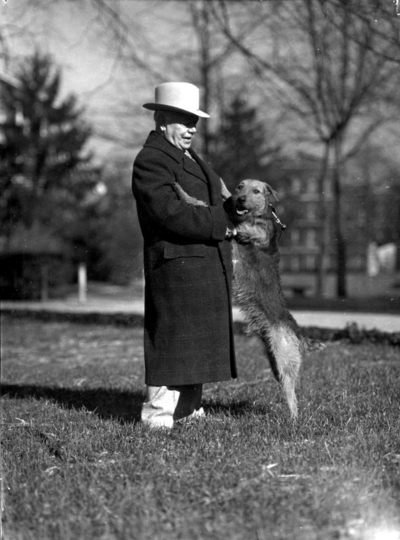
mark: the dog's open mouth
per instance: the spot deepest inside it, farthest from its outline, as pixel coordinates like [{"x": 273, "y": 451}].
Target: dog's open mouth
[{"x": 242, "y": 212}]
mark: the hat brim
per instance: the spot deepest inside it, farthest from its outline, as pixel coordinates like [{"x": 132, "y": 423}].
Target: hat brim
[{"x": 160, "y": 106}]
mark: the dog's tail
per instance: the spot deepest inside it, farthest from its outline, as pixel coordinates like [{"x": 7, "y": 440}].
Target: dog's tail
[
  {"x": 311, "y": 345},
  {"x": 307, "y": 345}
]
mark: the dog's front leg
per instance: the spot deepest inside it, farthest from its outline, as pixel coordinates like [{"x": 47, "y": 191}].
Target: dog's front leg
[{"x": 187, "y": 198}]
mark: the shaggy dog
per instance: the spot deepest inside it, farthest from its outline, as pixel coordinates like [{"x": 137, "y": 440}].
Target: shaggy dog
[{"x": 257, "y": 284}]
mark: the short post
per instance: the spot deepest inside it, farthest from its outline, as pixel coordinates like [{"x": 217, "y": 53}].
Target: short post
[
  {"x": 82, "y": 283},
  {"x": 44, "y": 285}
]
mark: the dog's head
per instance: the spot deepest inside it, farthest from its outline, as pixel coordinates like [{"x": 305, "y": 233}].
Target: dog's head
[{"x": 251, "y": 198}]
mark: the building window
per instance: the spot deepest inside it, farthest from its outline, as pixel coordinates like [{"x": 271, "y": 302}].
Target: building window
[
  {"x": 312, "y": 185},
  {"x": 311, "y": 211},
  {"x": 310, "y": 262},
  {"x": 296, "y": 186},
  {"x": 295, "y": 263},
  {"x": 311, "y": 238},
  {"x": 295, "y": 237},
  {"x": 285, "y": 263}
]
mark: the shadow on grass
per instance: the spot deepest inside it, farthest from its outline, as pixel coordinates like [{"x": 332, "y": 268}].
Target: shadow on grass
[
  {"x": 124, "y": 407},
  {"x": 237, "y": 408}
]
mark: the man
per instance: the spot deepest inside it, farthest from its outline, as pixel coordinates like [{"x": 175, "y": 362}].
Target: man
[{"x": 188, "y": 337}]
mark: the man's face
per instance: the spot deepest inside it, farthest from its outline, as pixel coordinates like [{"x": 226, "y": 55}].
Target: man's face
[{"x": 180, "y": 129}]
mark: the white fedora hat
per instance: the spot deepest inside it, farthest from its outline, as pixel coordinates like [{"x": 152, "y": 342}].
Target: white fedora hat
[{"x": 177, "y": 96}]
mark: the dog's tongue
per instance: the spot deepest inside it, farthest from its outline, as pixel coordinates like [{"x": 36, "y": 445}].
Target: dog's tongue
[{"x": 242, "y": 212}]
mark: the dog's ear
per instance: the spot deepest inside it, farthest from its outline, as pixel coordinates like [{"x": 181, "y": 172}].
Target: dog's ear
[{"x": 271, "y": 191}]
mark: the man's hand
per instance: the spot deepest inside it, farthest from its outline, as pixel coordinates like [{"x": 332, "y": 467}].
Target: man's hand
[{"x": 230, "y": 233}]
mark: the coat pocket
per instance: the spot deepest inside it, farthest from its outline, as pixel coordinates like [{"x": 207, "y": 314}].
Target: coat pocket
[{"x": 175, "y": 251}]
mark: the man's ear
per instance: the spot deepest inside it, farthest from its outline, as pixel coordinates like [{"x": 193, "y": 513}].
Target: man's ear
[{"x": 271, "y": 191}]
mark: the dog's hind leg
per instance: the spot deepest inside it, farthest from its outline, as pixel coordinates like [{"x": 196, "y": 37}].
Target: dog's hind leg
[{"x": 283, "y": 349}]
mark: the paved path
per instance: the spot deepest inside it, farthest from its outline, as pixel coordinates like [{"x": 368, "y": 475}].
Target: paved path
[
  {"x": 330, "y": 319},
  {"x": 324, "y": 319}
]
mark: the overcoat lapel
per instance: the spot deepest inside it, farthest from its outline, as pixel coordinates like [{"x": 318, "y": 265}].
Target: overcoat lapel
[
  {"x": 195, "y": 169},
  {"x": 214, "y": 182}
]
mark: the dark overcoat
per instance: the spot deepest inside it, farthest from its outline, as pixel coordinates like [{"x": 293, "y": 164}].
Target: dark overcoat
[{"x": 188, "y": 337}]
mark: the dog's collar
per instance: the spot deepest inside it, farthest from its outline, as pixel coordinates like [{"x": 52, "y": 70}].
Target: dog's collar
[{"x": 278, "y": 223}]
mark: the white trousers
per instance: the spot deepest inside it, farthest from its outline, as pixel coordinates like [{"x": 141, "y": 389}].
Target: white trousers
[{"x": 166, "y": 404}]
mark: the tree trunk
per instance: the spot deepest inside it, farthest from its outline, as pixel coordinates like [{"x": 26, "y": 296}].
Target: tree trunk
[
  {"x": 323, "y": 219},
  {"x": 341, "y": 289},
  {"x": 205, "y": 68}
]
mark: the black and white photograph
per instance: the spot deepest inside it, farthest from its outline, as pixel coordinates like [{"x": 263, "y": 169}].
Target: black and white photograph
[{"x": 200, "y": 269}]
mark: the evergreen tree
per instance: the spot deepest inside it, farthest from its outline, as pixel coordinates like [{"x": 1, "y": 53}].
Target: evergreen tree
[
  {"x": 44, "y": 173},
  {"x": 241, "y": 148}
]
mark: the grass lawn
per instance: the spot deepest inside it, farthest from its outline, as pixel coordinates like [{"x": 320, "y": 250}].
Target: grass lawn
[{"x": 77, "y": 465}]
